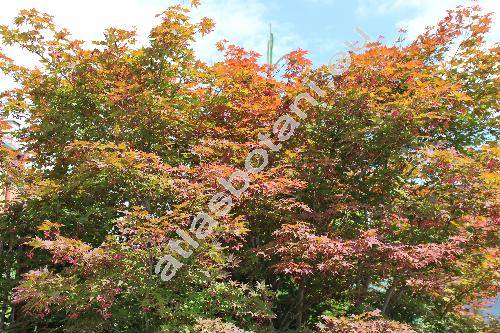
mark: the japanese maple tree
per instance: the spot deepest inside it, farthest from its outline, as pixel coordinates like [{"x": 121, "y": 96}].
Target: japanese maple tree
[{"x": 379, "y": 214}]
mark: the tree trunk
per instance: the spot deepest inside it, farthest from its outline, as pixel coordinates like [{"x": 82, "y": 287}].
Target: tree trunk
[
  {"x": 5, "y": 299},
  {"x": 388, "y": 296},
  {"x": 300, "y": 305},
  {"x": 4, "y": 310},
  {"x": 4, "y": 303},
  {"x": 362, "y": 291}
]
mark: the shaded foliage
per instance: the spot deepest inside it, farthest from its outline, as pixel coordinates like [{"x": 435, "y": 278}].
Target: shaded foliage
[{"x": 379, "y": 214}]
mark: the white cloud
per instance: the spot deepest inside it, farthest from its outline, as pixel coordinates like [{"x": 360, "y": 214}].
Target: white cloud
[
  {"x": 85, "y": 20},
  {"x": 242, "y": 23},
  {"x": 239, "y": 21},
  {"x": 323, "y": 2},
  {"x": 425, "y": 12}
]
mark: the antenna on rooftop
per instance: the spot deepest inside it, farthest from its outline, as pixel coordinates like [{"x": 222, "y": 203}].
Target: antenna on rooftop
[{"x": 270, "y": 44}]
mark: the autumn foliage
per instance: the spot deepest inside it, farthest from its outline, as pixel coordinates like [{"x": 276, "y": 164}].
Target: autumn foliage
[{"x": 379, "y": 214}]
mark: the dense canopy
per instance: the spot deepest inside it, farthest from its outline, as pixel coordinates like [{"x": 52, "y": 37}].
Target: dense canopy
[{"x": 377, "y": 210}]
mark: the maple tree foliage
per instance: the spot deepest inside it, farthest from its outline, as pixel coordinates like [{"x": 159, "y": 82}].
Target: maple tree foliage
[{"x": 379, "y": 214}]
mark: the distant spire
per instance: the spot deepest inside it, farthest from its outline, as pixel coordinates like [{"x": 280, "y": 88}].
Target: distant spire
[{"x": 270, "y": 44}]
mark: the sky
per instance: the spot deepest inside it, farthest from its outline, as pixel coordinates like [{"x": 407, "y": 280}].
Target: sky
[{"x": 319, "y": 26}]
